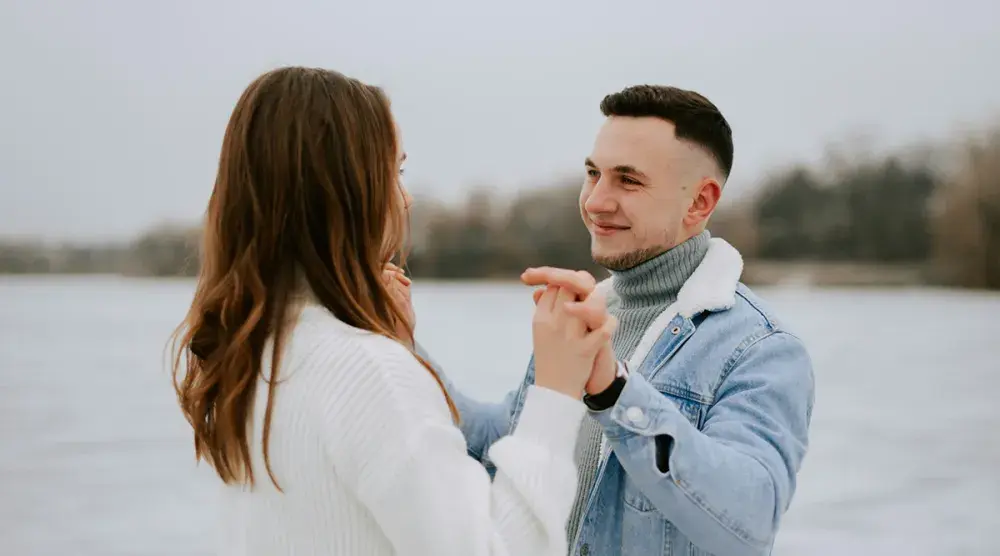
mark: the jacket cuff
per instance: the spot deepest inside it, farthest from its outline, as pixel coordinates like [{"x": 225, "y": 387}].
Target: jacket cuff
[{"x": 640, "y": 410}]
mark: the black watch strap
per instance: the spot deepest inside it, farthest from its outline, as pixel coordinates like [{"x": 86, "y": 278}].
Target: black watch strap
[{"x": 609, "y": 397}]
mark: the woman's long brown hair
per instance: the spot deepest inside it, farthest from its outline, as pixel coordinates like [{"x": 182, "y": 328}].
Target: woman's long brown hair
[{"x": 307, "y": 194}]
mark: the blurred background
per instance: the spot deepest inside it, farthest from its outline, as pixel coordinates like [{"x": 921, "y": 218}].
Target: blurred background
[{"x": 865, "y": 198}]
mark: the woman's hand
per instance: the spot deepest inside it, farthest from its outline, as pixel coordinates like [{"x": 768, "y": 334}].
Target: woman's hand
[
  {"x": 588, "y": 306},
  {"x": 398, "y": 285}
]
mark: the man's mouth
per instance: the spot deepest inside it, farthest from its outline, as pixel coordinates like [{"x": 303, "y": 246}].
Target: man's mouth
[{"x": 608, "y": 229}]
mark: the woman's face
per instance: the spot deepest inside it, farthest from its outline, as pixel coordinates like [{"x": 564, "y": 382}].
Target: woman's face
[
  {"x": 407, "y": 200},
  {"x": 403, "y": 199}
]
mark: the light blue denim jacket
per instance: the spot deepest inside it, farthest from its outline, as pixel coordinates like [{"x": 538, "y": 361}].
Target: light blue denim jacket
[{"x": 720, "y": 375}]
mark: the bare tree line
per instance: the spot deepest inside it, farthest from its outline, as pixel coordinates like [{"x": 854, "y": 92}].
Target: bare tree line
[{"x": 899, "y": 218}]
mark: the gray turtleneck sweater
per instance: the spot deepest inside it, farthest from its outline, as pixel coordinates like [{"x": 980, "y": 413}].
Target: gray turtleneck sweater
[{"x": 639, "y": 294}]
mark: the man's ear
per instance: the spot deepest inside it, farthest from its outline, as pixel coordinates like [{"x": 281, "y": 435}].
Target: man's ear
[{"x": 706, "y": 198}]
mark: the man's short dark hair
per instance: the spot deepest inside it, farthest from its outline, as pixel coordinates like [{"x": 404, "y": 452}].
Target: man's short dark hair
[{"x": 695, "y": 118}]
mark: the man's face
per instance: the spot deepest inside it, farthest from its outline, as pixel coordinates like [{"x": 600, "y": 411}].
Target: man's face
[{"x": 645, "y": 191}]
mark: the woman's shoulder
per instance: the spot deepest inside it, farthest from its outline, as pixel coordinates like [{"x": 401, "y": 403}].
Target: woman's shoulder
[
  {"x": 326, "y": 351},
  {"x": 320, "y": 334}
]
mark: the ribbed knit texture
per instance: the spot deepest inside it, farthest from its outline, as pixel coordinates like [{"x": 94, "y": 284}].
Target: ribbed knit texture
[
  {"x": 363, "y": 445},
  {"x": 639, "y": 295}
]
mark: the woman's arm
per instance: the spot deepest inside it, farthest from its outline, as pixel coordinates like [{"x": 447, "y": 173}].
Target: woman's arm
[
  {"x": 483, "y": 423},
  {"x": 391, "y": 439}
]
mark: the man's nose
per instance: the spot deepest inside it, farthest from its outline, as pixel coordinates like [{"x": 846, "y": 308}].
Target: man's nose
[{"x": 600, "y": 199}]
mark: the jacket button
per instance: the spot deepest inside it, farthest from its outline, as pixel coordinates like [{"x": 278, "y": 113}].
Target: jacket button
[
  {"x": 585, "y": 549},
  {"x": 636, "y": 415}
]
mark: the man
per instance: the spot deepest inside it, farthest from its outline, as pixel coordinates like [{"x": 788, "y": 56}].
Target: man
[{"x": 700, "y": 408}]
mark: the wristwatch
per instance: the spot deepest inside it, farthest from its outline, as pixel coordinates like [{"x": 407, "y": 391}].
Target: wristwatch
[{"x": 609, "y": 397}]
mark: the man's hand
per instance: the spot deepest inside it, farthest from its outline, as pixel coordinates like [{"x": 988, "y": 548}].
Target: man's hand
[
  {"x": 604, "y": 371},
  {"x": 398, "y": 285},
  {"x": 579, "y": 282},
  {"x": 590, "y": 309}
]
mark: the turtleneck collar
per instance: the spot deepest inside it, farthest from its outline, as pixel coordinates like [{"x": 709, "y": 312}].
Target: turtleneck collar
[{"x": 656, "y": 281}]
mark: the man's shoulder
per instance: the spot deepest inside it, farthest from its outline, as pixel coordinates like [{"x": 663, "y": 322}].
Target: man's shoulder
[
  {"x": 750, "y": 326},
  {"x": 757, "y": 311},
  {"x": 762, "y": 326},
  {"x": 750, "y": 319}
]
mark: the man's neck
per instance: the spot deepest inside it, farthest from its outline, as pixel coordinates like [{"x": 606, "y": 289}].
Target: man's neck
[{"x": 657, "y": 281}]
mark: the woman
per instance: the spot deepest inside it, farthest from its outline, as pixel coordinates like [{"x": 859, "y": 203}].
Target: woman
[{"x": 295, "y": 366}]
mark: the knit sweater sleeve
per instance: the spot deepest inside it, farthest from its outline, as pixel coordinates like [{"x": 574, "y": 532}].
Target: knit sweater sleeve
[{"x": 391, "y": 439}]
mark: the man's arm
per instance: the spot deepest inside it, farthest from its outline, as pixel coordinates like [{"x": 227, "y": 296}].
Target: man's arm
[
  {"x": 726, "y": 486},
  {"x": 482, "y": 423}
]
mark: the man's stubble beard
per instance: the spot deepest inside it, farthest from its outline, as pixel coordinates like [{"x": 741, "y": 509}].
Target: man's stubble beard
[
  {"x": 624, "y": 261},
  {"x": 632, "y": 259}
]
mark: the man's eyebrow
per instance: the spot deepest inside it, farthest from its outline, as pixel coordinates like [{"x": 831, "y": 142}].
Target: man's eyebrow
[
  {"x": 627, "y": 169},
  {"x": 631, "y": 170}
]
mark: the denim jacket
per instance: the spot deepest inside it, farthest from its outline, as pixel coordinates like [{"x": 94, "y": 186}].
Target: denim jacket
[{"x": 723, "y": 394}]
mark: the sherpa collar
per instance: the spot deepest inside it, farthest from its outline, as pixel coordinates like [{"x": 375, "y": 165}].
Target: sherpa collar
[{"x": 712, "y": 286}]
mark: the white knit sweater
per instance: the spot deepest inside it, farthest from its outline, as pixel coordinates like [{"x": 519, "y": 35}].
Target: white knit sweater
[{"x": 363, "y": 445}]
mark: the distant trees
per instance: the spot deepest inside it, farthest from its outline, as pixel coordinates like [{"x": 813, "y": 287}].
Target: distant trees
[
  {"x": 35, "y": 257},
  {"x": 966, "y": 224},
  {"x": 900, "y": 209},
  {"x": 486, "y": 237},
  {"x": 165, "y": 251},
  {"x": 874, "y": 211},
  {"x": 23, "y": 258}
]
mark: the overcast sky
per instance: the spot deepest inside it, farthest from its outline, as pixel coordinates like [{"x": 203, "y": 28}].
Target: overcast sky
[{"x": 112, "y": 112}]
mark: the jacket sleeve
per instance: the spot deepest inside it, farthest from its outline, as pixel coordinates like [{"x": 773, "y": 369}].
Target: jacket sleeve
[
  {"x": 726, "y": 486},
  {"x": 482, "y": 423}
]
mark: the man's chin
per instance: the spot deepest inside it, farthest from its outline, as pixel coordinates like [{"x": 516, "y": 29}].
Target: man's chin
[
  {"x": 623, "y": 260},
  {"x": 610, "y": 261}
]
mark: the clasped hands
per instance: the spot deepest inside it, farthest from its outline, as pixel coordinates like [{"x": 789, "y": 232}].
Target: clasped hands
[
  {"x": 571, "y": 328},
  {"x": 571, "y": 332}
]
